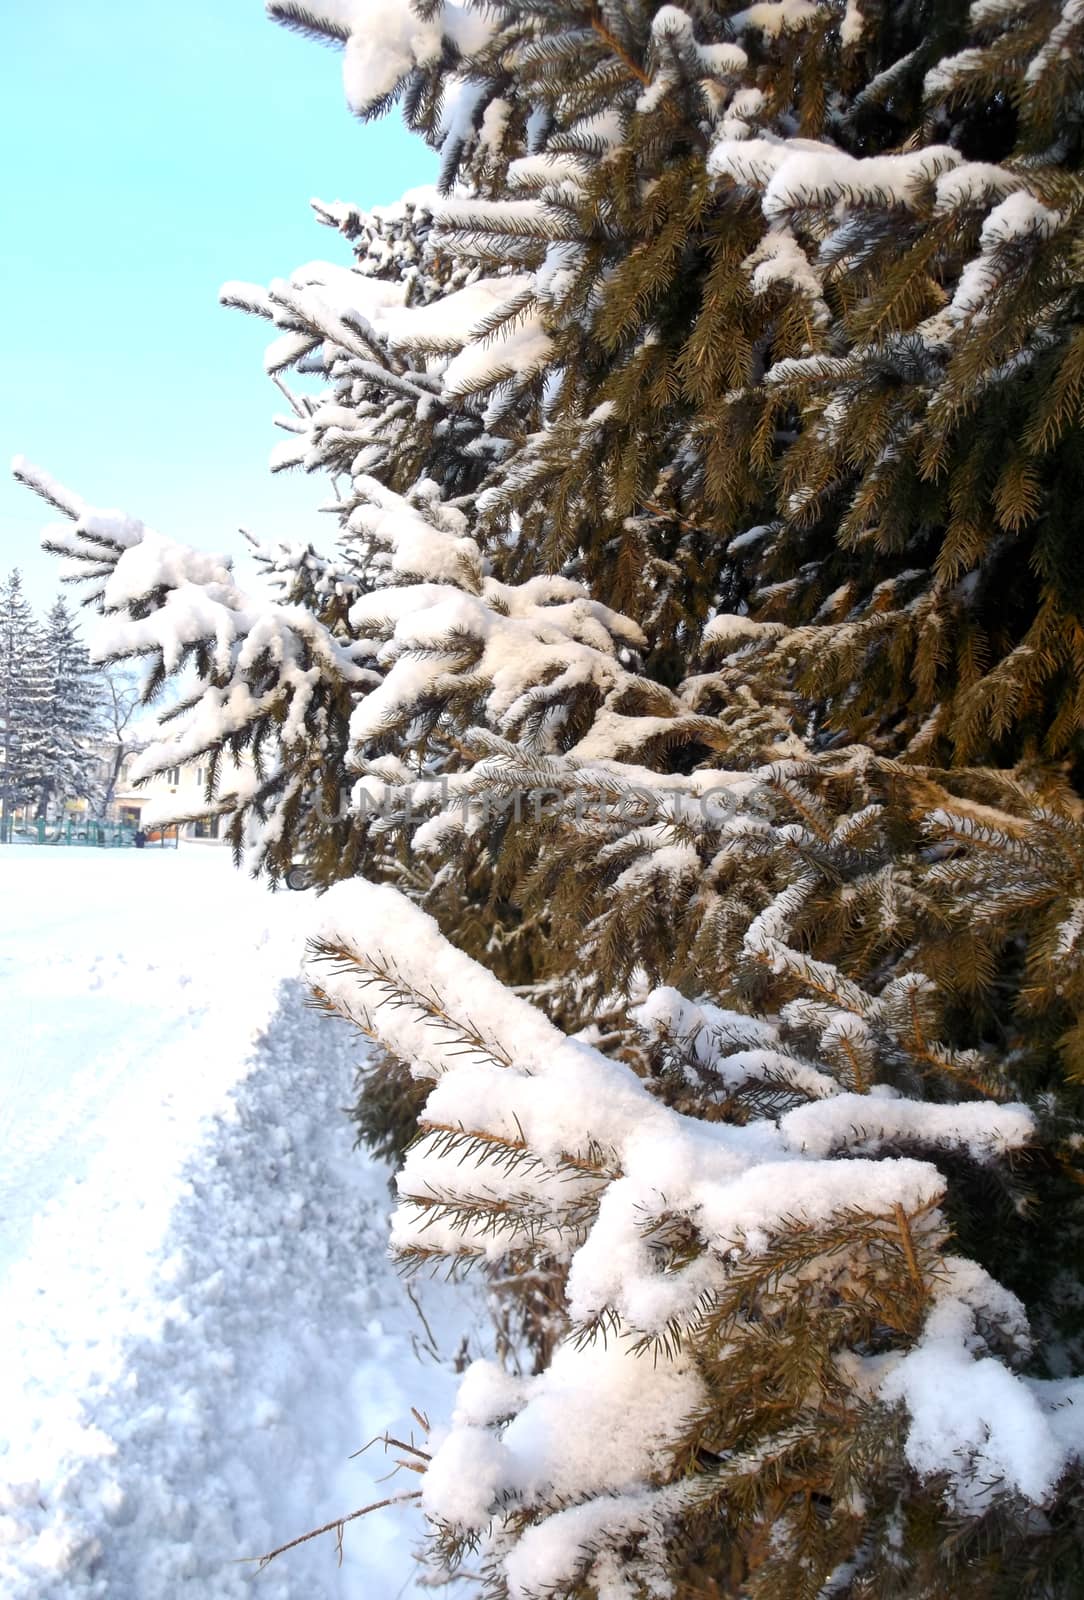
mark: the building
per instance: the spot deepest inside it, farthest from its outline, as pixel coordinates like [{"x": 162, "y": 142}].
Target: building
[{"x": 177, "y": 789}]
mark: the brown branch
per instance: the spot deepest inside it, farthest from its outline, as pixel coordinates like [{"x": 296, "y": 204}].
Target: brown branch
[
  {"x": 566, "y": 1160},
  {"x": 909, "y": 1248},
  {"x": 369, "y": 971},
  {"x": 916, "y": 1025},
  {"x": 422, "y": 1421},
  {"x": 335, "y": 1527},
  {"x": 805, "y": 812},
  {"x": 670, "y": 515},
  {"x": 849, "y": 1051},
  {"x": 388, "y": 1441},
  {"x": 619, "y": 51},
  {"x": 810, "y": 983},
  {"x": 925, "y": 1053}
]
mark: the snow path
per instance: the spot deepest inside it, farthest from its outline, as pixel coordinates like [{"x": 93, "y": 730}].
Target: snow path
[{"x": 198, "y": 1320}]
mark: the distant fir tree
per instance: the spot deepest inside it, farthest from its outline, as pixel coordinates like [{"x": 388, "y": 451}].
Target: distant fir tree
[
  {"x": 70, "y": 715},
  {"x": 23, "y": 693},
  {"x": 704, "y": 650}
]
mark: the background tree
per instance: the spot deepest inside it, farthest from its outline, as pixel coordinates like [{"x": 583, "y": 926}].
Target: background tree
[
  {"x": 23, "y": 690},
  {"x": 70, "y": 715},
  {"x": 120, "y": 699}
]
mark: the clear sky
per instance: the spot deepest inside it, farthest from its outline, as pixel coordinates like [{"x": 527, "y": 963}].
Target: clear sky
[{"x": 150, "y": 153}]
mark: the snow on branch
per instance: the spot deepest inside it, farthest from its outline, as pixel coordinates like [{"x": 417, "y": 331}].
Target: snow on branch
[
  {"x": 384, "y": 40},
  {"x": 532, "y": 1141}
]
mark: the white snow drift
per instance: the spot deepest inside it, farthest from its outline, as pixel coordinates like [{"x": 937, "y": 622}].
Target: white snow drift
[{"x": 198, "y": 1320}]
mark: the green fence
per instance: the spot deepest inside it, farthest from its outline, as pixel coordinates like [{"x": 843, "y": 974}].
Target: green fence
[
  {"x": 75, "y": 830},
  {"x": 85, "y": 831}
]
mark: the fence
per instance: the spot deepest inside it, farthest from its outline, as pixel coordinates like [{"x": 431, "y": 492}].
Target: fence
[{"x": 84, "y": 831}]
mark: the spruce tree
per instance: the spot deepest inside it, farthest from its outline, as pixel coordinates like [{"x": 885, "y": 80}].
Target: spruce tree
[
  {"x": 703, "y": 650},
  {"x": 69, "y": 714},
  {"x": 23, "y": 692}
]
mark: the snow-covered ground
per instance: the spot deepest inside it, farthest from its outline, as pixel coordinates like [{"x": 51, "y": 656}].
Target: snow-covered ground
[{"x": 198, "y": 1321}]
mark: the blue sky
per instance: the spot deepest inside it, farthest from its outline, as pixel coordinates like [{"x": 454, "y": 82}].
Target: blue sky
[{"x": 151, "y": 152}]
